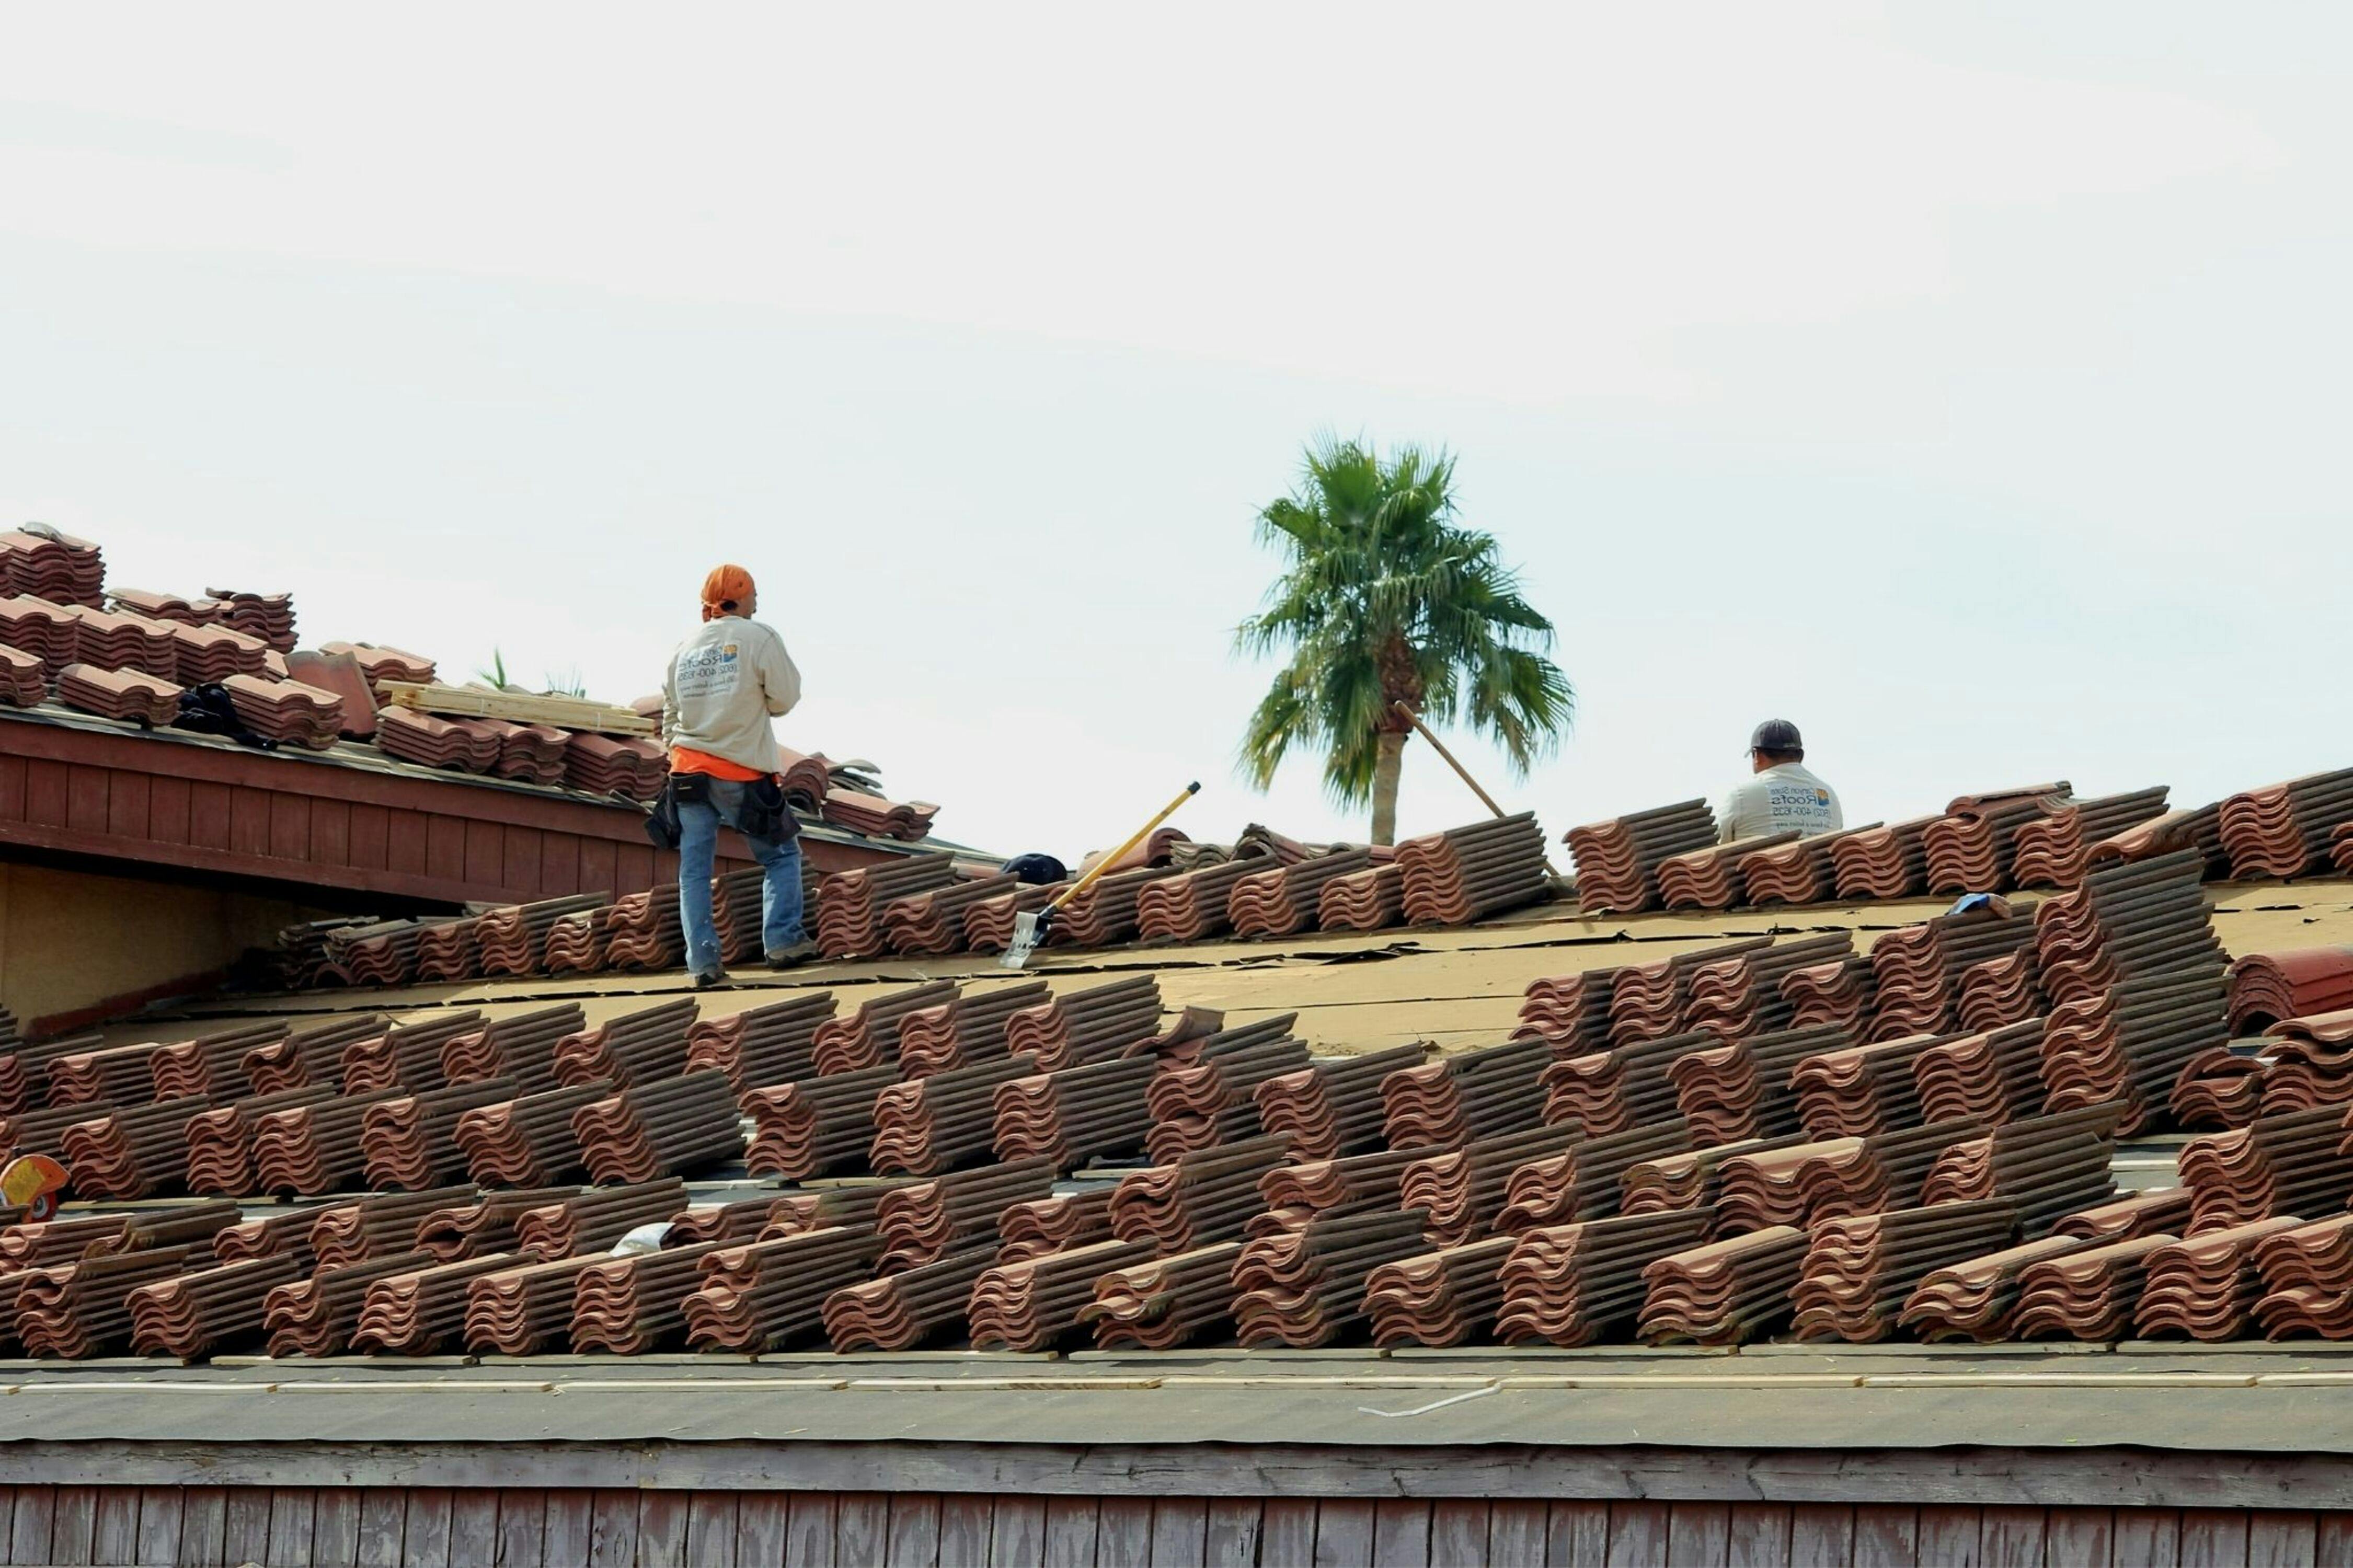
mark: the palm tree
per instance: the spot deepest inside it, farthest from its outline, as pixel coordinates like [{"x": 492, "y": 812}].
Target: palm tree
[{"x": 1383, "y": 600}]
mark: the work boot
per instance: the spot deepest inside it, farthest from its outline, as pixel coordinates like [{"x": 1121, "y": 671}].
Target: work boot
[
  {"x": 793, "y": 957},
  {"x": 708, "y": 978}
]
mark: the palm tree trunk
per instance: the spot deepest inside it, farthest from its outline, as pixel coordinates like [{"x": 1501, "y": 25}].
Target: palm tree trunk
[{"x": 1385, "y": 766}]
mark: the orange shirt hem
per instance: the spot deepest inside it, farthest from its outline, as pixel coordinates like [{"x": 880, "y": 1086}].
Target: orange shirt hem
[{"x": 687, "y": 760}]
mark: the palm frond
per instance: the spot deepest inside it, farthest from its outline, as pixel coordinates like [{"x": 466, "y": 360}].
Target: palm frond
[{"x": 1372, "y": 558}]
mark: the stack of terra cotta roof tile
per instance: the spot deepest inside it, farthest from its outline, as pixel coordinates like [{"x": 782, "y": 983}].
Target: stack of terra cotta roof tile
[
  {"x": 1205, "y": 1196},
  {"x": 381, "y": 663},
  {"x": 814, "y": 1126},
  {"x": 1649, "y": 1000},
  {"x": 24, "y": 679},
  {"x": 1801, "y": 872},
  {"x": 931, "y": 921},
  {"x": 2054, "y": 851},
  {"x": 1569, "y": 1012},
  {"x": 1465, "y": 874},
  {"x": 189, "y": 1315},
  {"x": 1854, "y": 1092},
  {"x": 1333, "y": 1106},
  {"x": 1086, "y": 1024},
  {"x": 1281, "y": 901},
  {"x": 667, "y": 1127},
  {"x": 1166, "y": 1302},
  {"x": 929, "y": 1125},
  {"x": 2199, "y": 829},
  {"x": 529, "y": 1140},
  {"x": 2307, "y": 1280},
  {"x": 767, "y": 1294},
  {"x": 2206, "y": 1286},
  {"x": 645, "y": 930},
  {"x": 1976, "y": 1299},
  {"x": 2126, "y": 921},
  {"x": 1917, "y": 972},
  {"x": 2043, "y": 1166},
  {"x": 122, "y": 694},
  {"x": 2266, "y": 987},
  {"x": 287, "y": 712},
  {"x": 411, "y": 1141},
  {"x": 520, "y": 1046},
  {"x": 1744, "y": 1089},
  {"x": 269, "y": 616},
  {"x": 1472, "y": 1094},
  {"x": 1968, "y": 849},
  {"x": 593, "y": 1220},
  {"x": 1463, "y": 1191},
  {"x": 124, "y": 642},
  {"x": 39, "y": 561},
  {"x": 430, "y": 741},
  {"x": 1800, "y": 1184},
  {"x": 1573, "y": 1284},
  {"x": 1038, "y": 1303},
  {"x": 900, "y": 1311},
  {"x": 1039, "y": 1226},
  {"x": 1209, "y": 1100},
  {"x": 1616, "y": 862},
  {"x": 1686, "y": 1179},
  {"x": 1306, "y": 1288},
  {"x": 869, "y": 1033},
  {"x": 2092, "y": 1294},
  {"x": 631, "y": 765},
  {"x": 1292, "y": 1195},
  {"x": 876, "y": 817},
  {"x": 1889, "y": 862},
  {"x": 771, "y": 1043},
  {"x": 1710, "y": 878},
  {"x": 1585, "y": 1180},
  {"x": 962, "y": 1028},
  {"x": 851, "y": 903},
  {"x": 1724, "y": 1292},
  {"x": 221, "y": 1140},
  {"x": 924, "y": 1221},
  {"x": 2132, "y": 1044},
  {"x": 1190, "y": 905},
  {"x": 2294, "y": 1162},
  {"x": 2285, "y": 829},
  {"x": 48, "y": 632},
  {"x": 1442, "y": 1298},
  {"x": 1368, "y": 898},
  {"x": 641, "y": 1046},
  {"x": 1077, "y": 1113},
  {"x": 1860, "y": 1271},
  {"x": 1740, "y": 995},
  {"x": 1995, "y": 1075},
  {"x": 2307, "y": 1062},
  {"x": 1627, "y": 1086}
]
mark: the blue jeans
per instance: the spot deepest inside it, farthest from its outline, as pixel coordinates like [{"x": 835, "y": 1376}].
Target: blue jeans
[{"x": 698, "y": 849}]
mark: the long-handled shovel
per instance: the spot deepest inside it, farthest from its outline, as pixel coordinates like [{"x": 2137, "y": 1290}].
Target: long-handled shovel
[{"x": 1030, "y": 930}]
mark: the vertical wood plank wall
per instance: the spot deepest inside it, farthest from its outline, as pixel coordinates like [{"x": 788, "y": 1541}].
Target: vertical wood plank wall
[{"x": 325, "y": 1527}]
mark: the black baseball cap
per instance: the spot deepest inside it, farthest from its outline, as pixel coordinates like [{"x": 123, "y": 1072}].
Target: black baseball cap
[{"x": 1776, "y": 735}]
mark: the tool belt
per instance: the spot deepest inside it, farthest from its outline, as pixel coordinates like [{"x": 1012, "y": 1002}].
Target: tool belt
[{"x": 763, "y": 814}]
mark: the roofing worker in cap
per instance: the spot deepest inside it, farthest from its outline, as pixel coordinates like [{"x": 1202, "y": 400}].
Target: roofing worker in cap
[
  {"x": 1783, "y": 797},
  {"x": 724, "y": 683}
]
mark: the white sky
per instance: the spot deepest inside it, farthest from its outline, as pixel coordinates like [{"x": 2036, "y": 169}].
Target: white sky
[{"x": 1963, "y": 383}]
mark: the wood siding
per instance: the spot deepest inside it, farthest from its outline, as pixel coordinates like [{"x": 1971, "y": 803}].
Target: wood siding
[
  {"x": 300, "y": 1527},
  {"x": 291, "y": 820}
]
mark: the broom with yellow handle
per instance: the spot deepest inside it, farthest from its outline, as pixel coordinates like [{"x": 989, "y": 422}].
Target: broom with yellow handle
[{"x": 1031, "y": 928}]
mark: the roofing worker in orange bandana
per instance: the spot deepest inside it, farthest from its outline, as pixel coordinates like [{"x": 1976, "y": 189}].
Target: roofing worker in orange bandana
[{"x": 724, "y": 683}]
